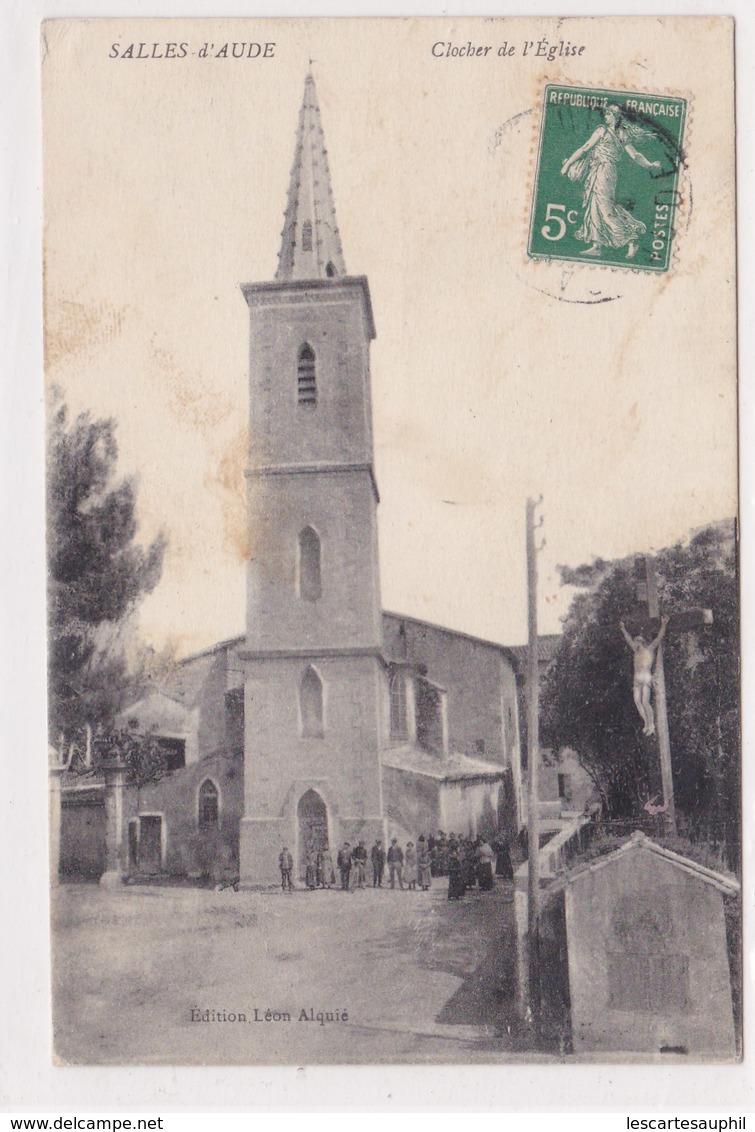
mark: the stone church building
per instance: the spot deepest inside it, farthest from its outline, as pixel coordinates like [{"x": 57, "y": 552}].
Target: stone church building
[{"x": 329, "y": 719}]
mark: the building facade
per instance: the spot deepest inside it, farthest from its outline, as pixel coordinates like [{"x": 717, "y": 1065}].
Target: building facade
[{"x": 330, "y": 719}]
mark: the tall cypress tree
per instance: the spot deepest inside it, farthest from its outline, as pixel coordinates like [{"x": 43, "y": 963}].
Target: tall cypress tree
[{"x": 97, "y": 572}]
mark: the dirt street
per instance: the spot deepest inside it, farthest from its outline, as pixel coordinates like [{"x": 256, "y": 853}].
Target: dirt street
[{"x": 147, "y": 975}]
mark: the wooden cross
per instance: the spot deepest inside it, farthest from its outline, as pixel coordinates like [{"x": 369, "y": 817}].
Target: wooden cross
[{"x": 647, "y": 594}]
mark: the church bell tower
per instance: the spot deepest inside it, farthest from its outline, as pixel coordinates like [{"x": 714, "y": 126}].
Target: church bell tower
[{"x": 313, "y": 676}]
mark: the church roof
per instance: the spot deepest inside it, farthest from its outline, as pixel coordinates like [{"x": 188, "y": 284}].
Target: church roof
[
  {"x": 158, "y": 708},
  {"x": 311, "y": 245},
  {"x": 507, "y": 650},
  {"x": 443, "y": 768},
  {"x": 184, "y": 682}
]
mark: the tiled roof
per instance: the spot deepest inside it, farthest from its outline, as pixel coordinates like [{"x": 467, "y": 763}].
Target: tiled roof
[
  {"x": 443, "y": 768},
  {"x": 389, "y": 616},
  {"x": 546, "y": 649},
  {"x": 185, "y": 681}
]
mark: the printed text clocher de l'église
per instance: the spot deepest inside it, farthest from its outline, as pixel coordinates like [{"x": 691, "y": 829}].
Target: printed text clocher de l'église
[{"x": 537, "y": 48}]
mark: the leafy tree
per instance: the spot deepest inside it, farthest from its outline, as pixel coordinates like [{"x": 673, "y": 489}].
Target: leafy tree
[
  {"x": 587, "y": 694},
  {"x": 141, "y": 753},
  {"x": 97, "y": 572}
]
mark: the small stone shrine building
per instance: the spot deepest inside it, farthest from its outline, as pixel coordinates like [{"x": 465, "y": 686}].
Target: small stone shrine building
[
  {"x": 329, "y": 720},
  {"x": 645, "y": 967}
]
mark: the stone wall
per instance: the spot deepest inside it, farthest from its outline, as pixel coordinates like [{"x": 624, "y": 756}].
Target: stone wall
[
  {"x": 579, "y": 787},
  {"x": 188, "y": 848},
  {"x": 340, "y": 507},
  {"x": 412, "y": 804},
  {"x": 342, "y": 764},
  {"x": 470, "y": 807},
  {"x": 483, "y": 717}
]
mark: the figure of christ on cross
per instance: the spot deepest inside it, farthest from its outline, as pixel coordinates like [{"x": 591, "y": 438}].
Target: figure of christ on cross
[
  {"x": 645, "y": 680},
  {"x": 644, "y": 657}
]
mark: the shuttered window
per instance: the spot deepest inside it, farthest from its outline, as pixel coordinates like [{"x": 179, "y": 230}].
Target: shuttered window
[
  {"x": 306, "y": 377},
  {"x": 209, "y": 810}
]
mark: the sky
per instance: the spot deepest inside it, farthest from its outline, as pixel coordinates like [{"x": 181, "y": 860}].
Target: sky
[{"x": 611, "y": 393}]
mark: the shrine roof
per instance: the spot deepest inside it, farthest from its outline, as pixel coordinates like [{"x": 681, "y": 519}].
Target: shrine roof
[{"x": 641, "y": 843}]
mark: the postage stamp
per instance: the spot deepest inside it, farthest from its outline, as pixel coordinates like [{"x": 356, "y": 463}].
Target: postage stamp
[{"x": 607, "y": 181}]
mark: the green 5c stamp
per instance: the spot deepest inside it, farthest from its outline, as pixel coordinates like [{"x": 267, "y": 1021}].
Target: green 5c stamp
[{"x": 607, "y": 181}]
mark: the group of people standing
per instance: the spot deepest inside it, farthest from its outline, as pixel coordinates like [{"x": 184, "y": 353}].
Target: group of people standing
[
  {"x": 467, "y": 851},
  {"x": 467, "y": 862}
]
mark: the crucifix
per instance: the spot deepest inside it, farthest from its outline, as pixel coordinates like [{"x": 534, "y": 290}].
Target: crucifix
[{"x": 644, "y": 655}]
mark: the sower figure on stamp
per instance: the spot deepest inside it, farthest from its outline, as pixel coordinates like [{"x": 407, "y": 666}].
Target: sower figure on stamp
[
  {"x": 605, "y": 222},
  {"x": 644, "y": 657}
]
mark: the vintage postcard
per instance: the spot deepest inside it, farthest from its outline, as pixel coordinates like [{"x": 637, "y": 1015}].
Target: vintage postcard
[{"x": 392, "y": 540}]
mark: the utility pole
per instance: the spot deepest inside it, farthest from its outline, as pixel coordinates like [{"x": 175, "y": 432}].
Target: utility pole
[{"x": 533, "y": 755}]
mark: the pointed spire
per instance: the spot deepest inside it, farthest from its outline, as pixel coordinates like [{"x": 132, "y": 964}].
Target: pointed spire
[{"x": 311, "y": 245}]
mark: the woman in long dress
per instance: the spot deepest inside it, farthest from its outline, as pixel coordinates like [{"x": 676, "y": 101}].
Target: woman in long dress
[
  {"x": 410, "y": 865},
  {"x": 605, "y": 223},
  {"x": 468, "y": 855},
  {"x": 456, "y": 886},
  {"x": 485, "y": 858},
  {"x": 503, "y": 865},
  {"x": 424, "y": 871},
  {"x": 326, "y": 876}
]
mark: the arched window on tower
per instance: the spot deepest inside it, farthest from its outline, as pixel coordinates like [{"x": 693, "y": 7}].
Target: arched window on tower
[
  {"x": 310, "y": 704},
  {"x": 310, "y": 575},
  {"x": 306, "y": 379},
  {"x": 208, "y": 804},
  {"x": 398, "y": 706},
  {"x": 306, "y": 236}
]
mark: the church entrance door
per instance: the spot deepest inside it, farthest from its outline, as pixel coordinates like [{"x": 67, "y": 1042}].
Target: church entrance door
[{"x": 312, "y": 824}]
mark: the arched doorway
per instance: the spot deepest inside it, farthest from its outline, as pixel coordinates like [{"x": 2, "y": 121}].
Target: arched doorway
[{"x": 312, "y": 826}]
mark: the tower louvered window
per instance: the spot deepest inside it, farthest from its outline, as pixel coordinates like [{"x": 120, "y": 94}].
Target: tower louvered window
[
  {"x": 306, "y": 379},
  {"x": 306, "y": 236}
]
